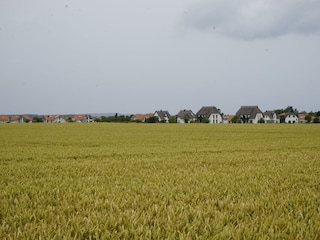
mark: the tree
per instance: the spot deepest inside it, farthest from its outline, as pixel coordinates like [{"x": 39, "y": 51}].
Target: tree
[
  {"x": 261, "y": 120},
  {"x": 205, "y": 120},
  {"x": 289, "y": 109},
  {"x": 308, "y": 118},
  {"x": 316, "y": 120},
  {"x": 235, "y": 119},
  {"x": 37, "y": 119},
  {"x": 173, "y": 119},
  {"x": 152, "y": 119}
]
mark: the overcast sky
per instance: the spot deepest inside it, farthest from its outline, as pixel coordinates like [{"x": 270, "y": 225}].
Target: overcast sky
[{"x": 125, "y": 56}]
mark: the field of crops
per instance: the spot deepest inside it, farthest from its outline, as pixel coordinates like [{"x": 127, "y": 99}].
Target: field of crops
[{"x": 159, "y": 181}]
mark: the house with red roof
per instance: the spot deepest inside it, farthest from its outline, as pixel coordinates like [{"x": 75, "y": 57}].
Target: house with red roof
[
  {"x": 49, "y": 118},
  {"x": 227, "y": 118},
  {"x": 142, "y": 117},
  {"x": 4, "y": 119},
  {"x": 82, "y": 118}
]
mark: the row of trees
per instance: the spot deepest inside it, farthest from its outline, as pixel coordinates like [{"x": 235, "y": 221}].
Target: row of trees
[{"x": 115, "y": 118}]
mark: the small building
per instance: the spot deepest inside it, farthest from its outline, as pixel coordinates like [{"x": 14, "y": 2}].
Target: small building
[
  {"x": 249, "y": 114},
  {"x": 210, "y": 114},
  {"x": 55, "y": 119},
  {"x": 271, "y": 117},
  {"x": 302, "y": 118},
  {"x": 15, "y": 119},
  {"x": 227, "y": 118},
  {"x": 82, "y": 118},
  {"x": 162, "y": 116},
  {"x": 186, "y": 116},
  {"x": 291, "y": 117},
  {"x": 4, "y": 119},
  {"x": 49, "y": 118},
  {"x": 142, "y": 117},
  {"x": 60, "y": 119},
  {"x": 27, "y": 119}
]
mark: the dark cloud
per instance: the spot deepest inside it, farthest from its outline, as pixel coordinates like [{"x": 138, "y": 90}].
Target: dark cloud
[{"x": 247, "y": 19}]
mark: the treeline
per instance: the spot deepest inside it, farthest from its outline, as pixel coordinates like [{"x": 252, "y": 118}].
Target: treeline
[
  {"x": 115, "y": 118},
  {"x": 290, "y": 109}
]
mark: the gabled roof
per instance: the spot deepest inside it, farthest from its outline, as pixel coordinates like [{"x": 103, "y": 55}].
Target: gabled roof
[
  {"x": 229, "y": 117},
  {"x": 163, "y": 114},
  {"x": 270, "y": 114},
  {"x": 207, "y": 111},
  {"x": 27, "y": 117},
  {"x": 142, "y": 117},
  {"x": 302, "y": 116},
  {"x": 15, "y": 118},
  {"x": 80, "y": 117},
  {"x": 49, "y": 117},
  {"x": 188, "y": 114},
  {"x": 292, "y": 114},
  {"x": 4, "y": 118},
  {"x": 250, "y": 111}
]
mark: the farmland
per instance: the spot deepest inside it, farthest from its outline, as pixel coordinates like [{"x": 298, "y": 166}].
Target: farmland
[{"x": 159, "y": 181}]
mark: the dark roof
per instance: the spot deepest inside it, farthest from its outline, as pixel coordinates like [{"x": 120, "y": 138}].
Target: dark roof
[
  {"x": 250, "y": 111},
  {"x": 269, "y": 113},
  {"x": 186, "y": 114},
  {"x": 207, "y": 111},
  {"x": 292, "y": 114},
  {"x": 163, "y": 114}
]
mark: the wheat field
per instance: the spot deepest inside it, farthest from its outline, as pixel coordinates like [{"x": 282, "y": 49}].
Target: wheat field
[{"x": 159, "y": 181}]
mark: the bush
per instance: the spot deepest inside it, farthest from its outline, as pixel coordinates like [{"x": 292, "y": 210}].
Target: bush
[{"x": 235, "y": 119}]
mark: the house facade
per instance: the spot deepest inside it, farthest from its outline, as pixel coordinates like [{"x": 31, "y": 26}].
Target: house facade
[
  {"x": 82, "y": 118},
  {"x": 291, "y": 117},
  {"x": 49, "y": 118},
  {"x": 54, "y": 119},
  {"x": 16, "y": 119},
  {"x": 60, "y": 119},
  {"x": 185, "y": 116},
  {"x": 249, "y": 114},
  {"x": 210, "y": 113},
  {"x": 4, "y": 119},
  {"x": 227, "y": 119},
  {"x": 302, "y": 118},
  {"x": 162, "y": 116},
  {"x": 271, "y": 117}
]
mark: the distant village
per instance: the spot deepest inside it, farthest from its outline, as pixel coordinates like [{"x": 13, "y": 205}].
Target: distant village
[{"x": 207, "y": 114}]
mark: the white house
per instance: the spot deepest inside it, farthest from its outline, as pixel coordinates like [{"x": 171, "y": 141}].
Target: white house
[
  {"x": 59, "y": 119},
  {"x": 84, "y": 118},
  {"x": 212, "y": 114},
  {"x": 249, "y": 114},
  {"x": 162, "y": 116},
  {"x": 271, "y": 117},
  {"x": 227, "y": 118},
  {"x": 291, "y": 117},
  {"x": 186, "y": 116},
  {"x": 20, "y": 119},
  {"x": 4, "y": 119}
]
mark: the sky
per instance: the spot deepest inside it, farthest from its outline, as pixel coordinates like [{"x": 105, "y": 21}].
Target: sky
[{"x": 124, "y": 56}]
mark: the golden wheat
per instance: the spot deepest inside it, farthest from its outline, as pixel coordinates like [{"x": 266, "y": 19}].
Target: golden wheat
[{"x": 159, "y": 181}]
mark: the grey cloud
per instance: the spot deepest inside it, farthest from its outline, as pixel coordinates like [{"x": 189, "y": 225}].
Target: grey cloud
[{"x": 247, "y": 19}]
